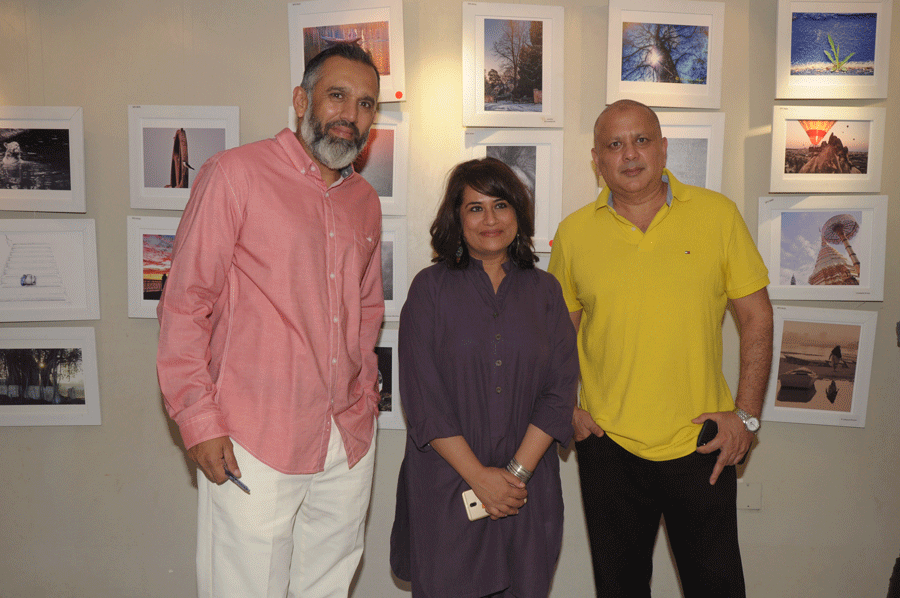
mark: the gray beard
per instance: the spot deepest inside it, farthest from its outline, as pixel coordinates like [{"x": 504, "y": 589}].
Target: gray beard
[{"x": 333, "y": 152}]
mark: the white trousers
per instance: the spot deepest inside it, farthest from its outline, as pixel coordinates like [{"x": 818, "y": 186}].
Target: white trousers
[{"x": 298, "y": 536}]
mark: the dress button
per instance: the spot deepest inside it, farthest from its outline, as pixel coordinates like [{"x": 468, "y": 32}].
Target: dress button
[
  {"x": 496, "y": 314},
  {"x": 499, "y": 390},
  {"x": 498, "y": 337},
  {"x": 498, "y": 363}
]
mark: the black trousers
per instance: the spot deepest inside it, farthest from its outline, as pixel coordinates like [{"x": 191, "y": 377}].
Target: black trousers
[{"x": 624, "y": 497}]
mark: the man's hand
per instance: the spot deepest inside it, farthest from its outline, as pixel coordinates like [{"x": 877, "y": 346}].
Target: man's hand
[
  {"x": 733, "y": 440},
  {"x": 584, "y": 425},
  {"x": 212, "y": 456}
]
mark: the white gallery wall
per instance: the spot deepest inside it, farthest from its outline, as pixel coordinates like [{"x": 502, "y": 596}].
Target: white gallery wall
[{"x": 109, "y": 511}]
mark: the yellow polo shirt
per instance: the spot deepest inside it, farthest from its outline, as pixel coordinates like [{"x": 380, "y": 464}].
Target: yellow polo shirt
[{"x": 650, "y": 340}]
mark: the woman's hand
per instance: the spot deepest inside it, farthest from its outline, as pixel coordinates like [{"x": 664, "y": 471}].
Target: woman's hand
[{"x": 500, "y": 492}]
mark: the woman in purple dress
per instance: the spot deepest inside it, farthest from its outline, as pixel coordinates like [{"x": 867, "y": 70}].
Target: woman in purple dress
[{"x": 488, "y": 376}]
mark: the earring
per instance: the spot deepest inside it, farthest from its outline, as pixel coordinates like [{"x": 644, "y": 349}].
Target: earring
[{"x": 459, "y": 252}]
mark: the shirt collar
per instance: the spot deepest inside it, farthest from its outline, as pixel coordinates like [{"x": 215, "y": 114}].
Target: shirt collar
[{"x": 287, "y": 139}]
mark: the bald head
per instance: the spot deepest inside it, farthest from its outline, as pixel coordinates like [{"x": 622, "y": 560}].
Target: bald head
[
  {"x": 630, "y": 151},
  {"x": 617, "y": 108}
]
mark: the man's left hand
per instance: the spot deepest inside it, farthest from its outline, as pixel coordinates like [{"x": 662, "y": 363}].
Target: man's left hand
[{"x": 733, "y": 440}]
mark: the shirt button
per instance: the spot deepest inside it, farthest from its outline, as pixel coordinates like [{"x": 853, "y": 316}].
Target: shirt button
[
  {"x": 335, "y": 319},
  {"x": 331, "y": 234},
  {"x": 498, "y": 363},
  {"x": 499, "y": 390},
  {"x": 633, "y": 228},
  {"x": 331, "y": 275},
  {"x": 327, "y": 195},
  {"x": 334, "y": 360}
]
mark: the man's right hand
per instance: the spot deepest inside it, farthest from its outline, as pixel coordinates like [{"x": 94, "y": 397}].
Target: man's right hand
[
  {"x": 212, "y": 456},
  {"x": 584, "y": 425}
]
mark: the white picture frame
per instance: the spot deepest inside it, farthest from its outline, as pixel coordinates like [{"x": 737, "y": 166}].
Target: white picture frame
[
  {"x": 824, "y": 236},
  {"x": 806, "y": 386},
  {"x": 71, "y": 396},
  {"x": 49, "y": 270},
  {"x": 537, "y": 158},
  {"x": 156, "y": 146},
  {"x": 487, "y": 21},
  {"x": 393, "y": 265},
  {"x": 390, "y": 409},
  {"x": 384, "y": 160},
  {"x": 801, "y": 64},
  {"x": 150, "y": 242},
  {"x": 634, "y": 69},
  {"x": 317, "y": 23},
  {"x": 860, "y": 132},
  {"x": 696, "y": 146},
  {"x": 42, "y": 159}
]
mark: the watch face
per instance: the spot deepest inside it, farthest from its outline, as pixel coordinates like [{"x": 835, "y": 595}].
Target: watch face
[{"x": 752, "y": 424}]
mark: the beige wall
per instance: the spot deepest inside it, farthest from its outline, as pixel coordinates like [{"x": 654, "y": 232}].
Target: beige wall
[{"x": 108, "y": 511}]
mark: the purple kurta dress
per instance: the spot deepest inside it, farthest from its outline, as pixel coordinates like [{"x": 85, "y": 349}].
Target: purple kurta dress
[{"x": 483, "y": 366}]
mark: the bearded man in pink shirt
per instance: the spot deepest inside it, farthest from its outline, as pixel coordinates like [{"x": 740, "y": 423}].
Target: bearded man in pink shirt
[{"x": 266, "y": 359}]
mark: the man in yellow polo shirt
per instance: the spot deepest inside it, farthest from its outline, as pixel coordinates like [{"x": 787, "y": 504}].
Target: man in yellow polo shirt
[{"x": 647, "y": 271}]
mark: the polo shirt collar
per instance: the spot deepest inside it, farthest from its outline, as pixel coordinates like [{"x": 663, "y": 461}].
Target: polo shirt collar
[{"x": 609, "y": 197}]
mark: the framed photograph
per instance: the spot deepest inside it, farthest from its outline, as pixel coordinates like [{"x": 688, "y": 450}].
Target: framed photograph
[
  {"x": 824, "y": 248},
  {"x": 167, "y": 145},
  {"x": 832, "y": 50},
  {"x": 49, "y": 270},
  {"x": 374, "y": 25},
  {"x": 696, "y": 146},
  {"x": 821, "y": 367},
  {"x": 536, "y": 157},
  {"x": 390, "y": 413},
  {"x": 383, "y": 162},
  {"x": 826, "y": 149},
  {"x": 512, "y": 58},
  {"x": 150, "y": 241},
  {"x": 48, "y": 377},
  {"x": 42, "y": 168},
  {"x": 393, "y": 266},
  {"x": 665, "y": 53}
]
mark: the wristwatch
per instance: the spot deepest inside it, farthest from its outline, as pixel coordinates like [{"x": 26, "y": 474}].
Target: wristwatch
[{"x": 750, "y": 422}]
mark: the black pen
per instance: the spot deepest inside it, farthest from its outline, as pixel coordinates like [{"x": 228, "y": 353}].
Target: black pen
[{"x": 239, "y": 483}]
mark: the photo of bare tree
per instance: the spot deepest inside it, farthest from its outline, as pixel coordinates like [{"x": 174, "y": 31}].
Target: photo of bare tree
[
  {"x": 665, "y": 53},
  {"x": 513, "y": 65}
]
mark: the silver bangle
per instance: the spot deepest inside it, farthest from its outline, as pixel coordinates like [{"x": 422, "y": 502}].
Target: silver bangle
[{"x": 515, "y": 468}]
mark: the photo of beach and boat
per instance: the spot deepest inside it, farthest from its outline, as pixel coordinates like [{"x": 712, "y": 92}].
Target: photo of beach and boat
[{"x": 817, "y": 365}]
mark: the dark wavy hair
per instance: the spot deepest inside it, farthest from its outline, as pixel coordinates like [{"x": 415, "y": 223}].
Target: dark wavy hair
[
  {"x": 350, "y": 51},
  {"x": 493, "y": 178}
]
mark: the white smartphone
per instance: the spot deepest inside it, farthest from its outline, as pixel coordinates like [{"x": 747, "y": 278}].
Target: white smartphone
[{"x": 474, "y": 508}]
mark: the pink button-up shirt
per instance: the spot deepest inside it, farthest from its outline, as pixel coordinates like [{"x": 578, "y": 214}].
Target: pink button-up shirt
[{"x": 272, "y": 307}]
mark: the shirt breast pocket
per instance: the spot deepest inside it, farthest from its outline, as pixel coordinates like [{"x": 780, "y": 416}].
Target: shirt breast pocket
[{"x": 363, "y": 247}]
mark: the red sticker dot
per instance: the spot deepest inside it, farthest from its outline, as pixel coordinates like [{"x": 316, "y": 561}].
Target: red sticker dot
[
  {"x": 551, "y": 243},
  {"x": 399, "y": 94}
]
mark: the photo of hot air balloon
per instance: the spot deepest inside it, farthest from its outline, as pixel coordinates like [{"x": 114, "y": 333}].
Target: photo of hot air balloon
[
  {"x": 832, "y": 50},
  {"x": 824, "y": 248},
  {"x": 826, "y": 149}
]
